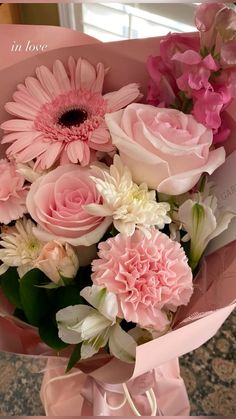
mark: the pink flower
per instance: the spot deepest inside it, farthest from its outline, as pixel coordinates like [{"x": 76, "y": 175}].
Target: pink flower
[
  {"x": 208, "y": 106},
  {"x": 12, "y": 192},
  {"x": 196, "y": 70},
  {"x": 164, "y": 71},
  {"x": 60, "y": 114},
  {"x": 58, "y": 261},
  {"x": 56, "y": 202},
  {"x": 148, "y": 276},
  {"x": 212, "y": 19},
  {"x": 165, "y": 148}
]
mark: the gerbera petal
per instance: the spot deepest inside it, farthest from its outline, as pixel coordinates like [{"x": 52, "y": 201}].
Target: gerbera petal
[
  {"x": 61, "y": 76},
  {"x": 36, "y": 90},
  {"x": 85, "y": 74},
  {"x": 100, "y": 135},
  {"x": 34, "y": 150},
  {"x": 122, "y": 97},
  {"x": 17, "y": 125},
  {"x": 27, "y": 99},
  {"x": 21, "y": 110},
  {"x": 75, "y": 151},
  {"x": 23, "y": 142},
  {"x": 48, "y": 81},
  {"x": 98, "y": 83},
  {"x": 48, "y": 159},
  {"x": 72, "y": 67},
  {"x": 9, "y": 138}
]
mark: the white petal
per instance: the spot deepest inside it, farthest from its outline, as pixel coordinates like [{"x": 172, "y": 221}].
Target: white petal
[
  {"x": 68, "y": 336},
  {"x": 122, "y": 345},
  {"x": 105, "y": 302},
  {"x": 73, "y": 314},
  {"x": 222, "y": 224},
  {"x": 93, "y": 325},
  {"x": 88, "y": 350}
]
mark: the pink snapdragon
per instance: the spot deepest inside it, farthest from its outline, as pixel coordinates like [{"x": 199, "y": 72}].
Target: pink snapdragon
[{"x": 188, "y": 76}]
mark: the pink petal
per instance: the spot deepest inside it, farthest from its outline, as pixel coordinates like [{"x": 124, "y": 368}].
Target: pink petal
[
  {"x": 21, "y": 110},
  {"x": 31, "y": 152},
  {"x": 205, "y": 15},
  {"x": 228, "y": 53},
  {"x": 61, "y": 76},
  {"x": 75, "y": 151},
  {"x": 122, "y": 97},
  {"x": 98, "y": 83},
  {"x": 187, "y": 57},
  {"x": 22, "y": 142},
  {"x": 85, "y": 74},
  {"x": 49, "y": 158},
  {"x": 100, "y": 135},
  {"x": 36, "y": 90},
  {"x": 48, "y": 81},
  {"x": 17, "y": 125},
  {"x": 72, "y": 68},
  {"x": 27, "y": 99}
]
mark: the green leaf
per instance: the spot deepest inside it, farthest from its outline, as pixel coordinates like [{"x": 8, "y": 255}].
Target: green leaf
[
  {"x": 11, "y": 286},
  {"x": 67, "y": 296},
  {"x": 75, "y": 357},
  {"x": 48, "y": 332},
  {"x": 34, "y": 300}
]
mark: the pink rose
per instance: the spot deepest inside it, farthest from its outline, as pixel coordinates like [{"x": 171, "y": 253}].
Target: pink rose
[
  {"x": 164, "y": 148},
  {"x": 148, "y": 276},
  {"x": 12, "y": 192},
  {"x": 56, "y": 202}
]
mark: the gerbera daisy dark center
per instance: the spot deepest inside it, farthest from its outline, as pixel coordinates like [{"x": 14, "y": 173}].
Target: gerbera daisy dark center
[{"x": 73, "y": 117}]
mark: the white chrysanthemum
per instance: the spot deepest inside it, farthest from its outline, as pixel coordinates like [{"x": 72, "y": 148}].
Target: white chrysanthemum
[
  {"x": 130, "y": 205},
  {"x": 19, "y": 247}
]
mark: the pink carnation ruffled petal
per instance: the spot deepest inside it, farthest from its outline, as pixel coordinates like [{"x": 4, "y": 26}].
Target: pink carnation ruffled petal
[
  {"x": 12, "y": 193},
  {"x": 148, "y": 276}
]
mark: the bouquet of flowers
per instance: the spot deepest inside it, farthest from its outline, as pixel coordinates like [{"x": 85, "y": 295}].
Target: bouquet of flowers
[{"x": 107, "y": 205}]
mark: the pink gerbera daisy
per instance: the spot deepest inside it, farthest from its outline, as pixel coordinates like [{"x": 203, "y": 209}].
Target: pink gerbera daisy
[{"x": 60, "y": 114}]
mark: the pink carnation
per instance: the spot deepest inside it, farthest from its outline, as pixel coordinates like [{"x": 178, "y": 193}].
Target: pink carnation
[
  {"x": 12, "y": 193},
  {"x": 148, "y": 276}
]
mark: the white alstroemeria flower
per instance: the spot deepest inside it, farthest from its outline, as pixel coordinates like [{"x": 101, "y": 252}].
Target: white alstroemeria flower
[
  {"x": 203, "y": 221},
  {"x": 19, "y": 247},
  {"x": 96, "y": 326},
  {"x": 130, "y": 205}
]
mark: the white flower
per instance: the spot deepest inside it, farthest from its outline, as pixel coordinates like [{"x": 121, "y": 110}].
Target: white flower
[
  {"x": 130, "y": 205},
  {"x": 96, "y": 326},
  {"x": 203, "y": 221},
  {"x": 20, "y": 247}
]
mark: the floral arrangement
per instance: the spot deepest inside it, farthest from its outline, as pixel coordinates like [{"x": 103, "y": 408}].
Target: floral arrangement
[{"x": 106, "y": 206}]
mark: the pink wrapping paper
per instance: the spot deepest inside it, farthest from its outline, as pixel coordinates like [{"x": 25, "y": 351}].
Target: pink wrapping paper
[
  {"x": 82, "y": 395},
  {"x": 212, "y": 302}
]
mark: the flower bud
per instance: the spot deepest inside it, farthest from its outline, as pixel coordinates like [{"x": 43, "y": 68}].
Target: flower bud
[{"x": 58, "y": 261}]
